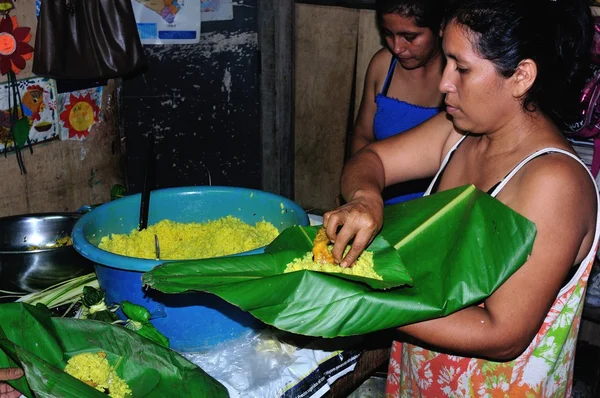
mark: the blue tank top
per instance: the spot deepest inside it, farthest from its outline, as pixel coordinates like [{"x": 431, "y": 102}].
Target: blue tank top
[{"x": 394, "y": 117}]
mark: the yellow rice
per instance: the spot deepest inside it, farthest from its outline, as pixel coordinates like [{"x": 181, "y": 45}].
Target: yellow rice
[
  {"x": 180, "y": 241},
  {"x": 362, "y": 267},
  {"x": 94, "y": 370}
]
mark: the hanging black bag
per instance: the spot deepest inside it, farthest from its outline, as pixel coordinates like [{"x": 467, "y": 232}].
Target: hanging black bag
[{"x": 87, "y": 39}]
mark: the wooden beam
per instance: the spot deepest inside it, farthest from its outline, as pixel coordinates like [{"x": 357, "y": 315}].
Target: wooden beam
[
  {"x": 326, "y": 43},
  {"x": 341, "y": 3},
  {"x": 276, "y": 44}
]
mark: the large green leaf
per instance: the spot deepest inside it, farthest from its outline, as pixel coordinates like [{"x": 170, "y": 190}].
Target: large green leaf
[
  {"x": 294, "y": 242},
  {"x": 459, "y": 246},
  {"x": 41, "y": 345}
]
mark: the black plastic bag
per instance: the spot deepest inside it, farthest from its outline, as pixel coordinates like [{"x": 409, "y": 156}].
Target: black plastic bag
[{"x": 87, "y": 39}]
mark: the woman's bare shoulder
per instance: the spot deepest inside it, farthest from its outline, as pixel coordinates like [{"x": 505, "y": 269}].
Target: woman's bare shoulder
[
  {"x": 558, "y": 185},
  {"x": 452, "y": 135},
  {"x": 382, "y": 58},
  {"x": 556, "y": 170},
  {"x": 379, "y": 65}
]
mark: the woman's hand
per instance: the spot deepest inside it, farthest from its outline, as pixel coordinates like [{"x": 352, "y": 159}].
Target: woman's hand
[
  {"x": 7, "y": 391},
  {"x": 360, "y": 220}
]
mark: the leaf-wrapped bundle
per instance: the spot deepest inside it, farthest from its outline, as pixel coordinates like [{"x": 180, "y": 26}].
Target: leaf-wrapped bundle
[{"x": 455, "y": 248}]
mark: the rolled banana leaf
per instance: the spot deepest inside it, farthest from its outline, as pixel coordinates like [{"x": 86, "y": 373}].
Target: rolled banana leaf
[
  {"x": 292, "y": 243},
  {"x": 458, "y": 246},
  {"x": 41, "y": 345}
]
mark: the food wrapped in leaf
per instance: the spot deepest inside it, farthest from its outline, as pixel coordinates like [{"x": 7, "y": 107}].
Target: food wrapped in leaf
[
  {"x": 95, "y": 371},
  {"x": 40, "y": 344},
  {"x": 94, "y": 306},
  {"x": 458, "y": 246},
  {"x": 364, "y": 265}
]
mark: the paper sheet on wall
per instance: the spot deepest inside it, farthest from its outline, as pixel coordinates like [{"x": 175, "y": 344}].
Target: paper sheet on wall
[
  {"x": 216, "y": 10},
  {"x": 168, "y": 21},
  {"x": 38, "y": 96}
]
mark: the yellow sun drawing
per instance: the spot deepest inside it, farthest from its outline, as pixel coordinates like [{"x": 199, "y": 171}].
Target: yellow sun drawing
[{"x": 80, "y": 115}]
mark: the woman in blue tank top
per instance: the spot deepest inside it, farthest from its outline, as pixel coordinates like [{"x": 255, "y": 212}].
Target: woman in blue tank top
[{"x": 402, "y": 81}]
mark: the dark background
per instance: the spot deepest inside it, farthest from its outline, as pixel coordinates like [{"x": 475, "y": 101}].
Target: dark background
[{"x": 202, "y": 103}]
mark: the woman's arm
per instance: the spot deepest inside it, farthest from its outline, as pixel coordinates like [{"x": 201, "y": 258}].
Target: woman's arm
[
  {"x": 416, "y": 153},
  {"x": 545, "y": 192},
  {"x": 362, "y": 135}
]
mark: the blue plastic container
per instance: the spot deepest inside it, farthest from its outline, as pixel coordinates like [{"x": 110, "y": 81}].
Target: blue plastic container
[{"x": 193, "y": 322}]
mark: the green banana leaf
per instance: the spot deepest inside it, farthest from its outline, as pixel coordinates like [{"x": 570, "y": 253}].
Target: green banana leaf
[
  {"x": 41, "y": 345},
  {"x": 458, "y": 246},
  {"x": 292, "y": 243}
]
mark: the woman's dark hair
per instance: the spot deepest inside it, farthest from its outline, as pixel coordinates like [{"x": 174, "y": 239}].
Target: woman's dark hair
[
  {"x": 427, "y": 13},
  {"x": 555, "y": 34}
]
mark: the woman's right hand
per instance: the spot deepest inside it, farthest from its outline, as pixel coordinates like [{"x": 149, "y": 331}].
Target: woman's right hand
[
  {"x": 6, "y": 391},
  {"x": 360, "y": 220}
]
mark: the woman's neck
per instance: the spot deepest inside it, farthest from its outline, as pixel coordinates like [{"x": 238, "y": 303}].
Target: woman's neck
[{"x": 529, "y": 130}]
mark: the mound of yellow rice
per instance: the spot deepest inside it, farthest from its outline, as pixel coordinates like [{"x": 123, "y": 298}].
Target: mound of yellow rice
[
  {"x": 181, "y": 241},
  {"x": 94, "y": 370},
  {"x": 362, "y": 267}
]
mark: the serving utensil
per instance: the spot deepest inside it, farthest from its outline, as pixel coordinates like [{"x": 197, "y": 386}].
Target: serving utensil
[
  {"x": 149, "y": 182},
  {"x": 156, "y": 246}
]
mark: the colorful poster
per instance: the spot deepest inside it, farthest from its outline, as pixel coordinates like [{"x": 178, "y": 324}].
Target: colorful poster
[
  {"x": 168, "y": 21},
  {"x": 216, "y": 10},
  {"x": 79, "y": 111},
  {"x": 38, "y": 98}
]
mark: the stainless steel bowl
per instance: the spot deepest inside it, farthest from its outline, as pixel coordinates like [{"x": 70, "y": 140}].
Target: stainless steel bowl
[{"x": 25, "y": 270}]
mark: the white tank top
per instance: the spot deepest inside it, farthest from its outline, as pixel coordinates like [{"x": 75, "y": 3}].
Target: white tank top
[{"x": 545, "y": 369}]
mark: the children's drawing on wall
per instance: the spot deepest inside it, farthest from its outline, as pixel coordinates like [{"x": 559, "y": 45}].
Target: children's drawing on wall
[
  {"x": 15, "y": 49},
  {"x": 38, "y": 107},
  {"x": 79, "y": 111},
  {"x": 168, "y": 21},
  {"x": 216, "y": 10},
  {"x": 167, "y": 9}
]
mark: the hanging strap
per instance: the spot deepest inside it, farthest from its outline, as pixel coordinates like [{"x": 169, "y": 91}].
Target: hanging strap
[
  {"x": 433, "y": 186},
  {"x": 388, "y": 78},
  {"x": 534, "y": 155}
]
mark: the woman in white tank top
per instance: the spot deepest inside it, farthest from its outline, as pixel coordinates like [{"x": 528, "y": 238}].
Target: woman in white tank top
[{"x": 513, "y": 72}]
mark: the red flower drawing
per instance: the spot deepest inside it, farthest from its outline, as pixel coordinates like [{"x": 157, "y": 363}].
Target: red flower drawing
[{"x": 14, "y": 45}]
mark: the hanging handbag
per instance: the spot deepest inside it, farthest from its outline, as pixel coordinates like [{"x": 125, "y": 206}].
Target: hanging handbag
[
  {"x": 587, "y": 125},
  {"x": 87, "y": 39}
]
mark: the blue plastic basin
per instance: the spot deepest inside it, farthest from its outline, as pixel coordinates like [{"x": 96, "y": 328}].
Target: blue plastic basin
[{"x": 191, "y": 321}]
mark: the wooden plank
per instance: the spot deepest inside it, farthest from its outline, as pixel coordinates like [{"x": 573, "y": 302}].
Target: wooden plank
[
  {"x": 64, "y": 175},
  {"x": 326, "y": 39},
  {"x": 369, "y": 42},
  {"x": 341, "y": 3},
  {"x": 276, "y": 32},
  {"x": 369, "y": 361}
]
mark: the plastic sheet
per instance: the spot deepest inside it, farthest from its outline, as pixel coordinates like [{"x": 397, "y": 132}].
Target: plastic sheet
[{"x": 260, "y": 365}]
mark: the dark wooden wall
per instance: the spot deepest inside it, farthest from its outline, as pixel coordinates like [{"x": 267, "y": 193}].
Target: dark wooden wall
[
  {"x": 202, "y": 103},
  {"x": 333, "y": 48},
  {"x": 341, "y": 3}
]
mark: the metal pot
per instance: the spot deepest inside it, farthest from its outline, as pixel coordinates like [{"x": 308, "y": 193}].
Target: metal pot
[{"x": 25, "y": 270}]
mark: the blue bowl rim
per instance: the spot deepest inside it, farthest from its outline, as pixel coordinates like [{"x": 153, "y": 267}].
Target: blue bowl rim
[{"x": 102, "y": 257}]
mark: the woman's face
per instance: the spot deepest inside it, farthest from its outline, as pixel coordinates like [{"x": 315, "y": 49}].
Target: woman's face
[
  {"x": 412, "y": 45},
  {"x": 477, "y": 97}
]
